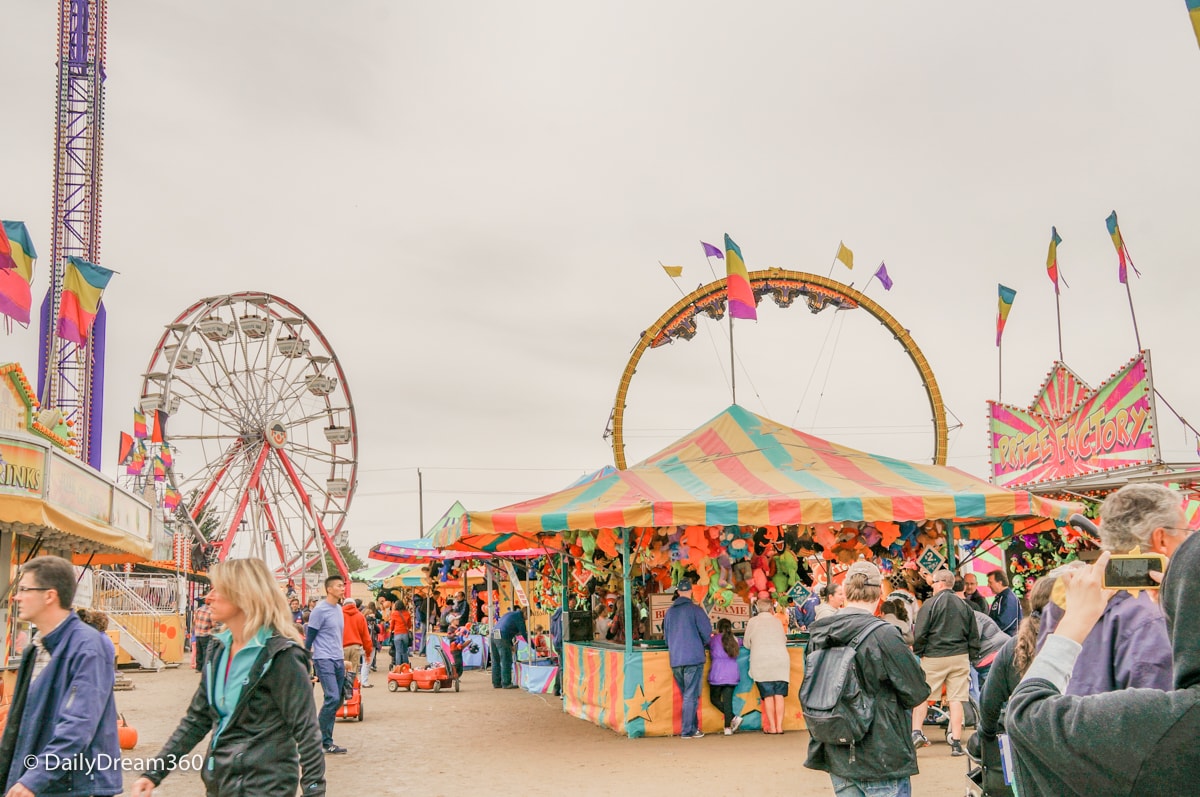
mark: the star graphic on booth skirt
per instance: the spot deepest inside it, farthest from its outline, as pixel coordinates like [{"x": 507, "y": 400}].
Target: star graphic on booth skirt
[
  {"x": 750, "y": 700},
  {"x": 638, "y": 707}
]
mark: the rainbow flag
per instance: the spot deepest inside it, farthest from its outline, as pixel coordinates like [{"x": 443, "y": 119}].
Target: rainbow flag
[
  {"x": 83, "y": 285},
  {"x": 170, "y": 498},
  {"x": 1194, "y": 12},
  {"x": 1052, "y": 258},
  {"x": 1006, "y": 300},
  {"x": 160, "y": 469},
  {"x": 139, "y": 424},
  {"x": 16, "y": 271},
  {"x": 165, "y": 453},
  {"x": 138, "y": 462},
  {"x": 1122, "y": 252},
  {"x": 737, "y": 280}
]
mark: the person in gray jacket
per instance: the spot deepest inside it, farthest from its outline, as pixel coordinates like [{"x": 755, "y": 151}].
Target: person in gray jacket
[{"x": 1130, "y": 742}]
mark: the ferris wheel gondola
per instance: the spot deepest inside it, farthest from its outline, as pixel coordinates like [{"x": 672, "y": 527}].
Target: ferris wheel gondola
[{"x": 261, "y": 429}]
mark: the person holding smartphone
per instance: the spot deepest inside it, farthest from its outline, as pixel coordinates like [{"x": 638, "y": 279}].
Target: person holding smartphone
[
  {"x": 1130, "y": 742},
  {"x": 1128, "y": 647}
]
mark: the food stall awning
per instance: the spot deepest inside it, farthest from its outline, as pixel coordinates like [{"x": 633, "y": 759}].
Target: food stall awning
[
  {"x": 423, "y": 550},
  {"x": 742, "y": 469}
]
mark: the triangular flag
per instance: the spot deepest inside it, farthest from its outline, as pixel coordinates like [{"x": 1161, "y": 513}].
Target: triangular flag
[
  {"x": 882, "y": 275},
  {"x": 845, "y": 255}
]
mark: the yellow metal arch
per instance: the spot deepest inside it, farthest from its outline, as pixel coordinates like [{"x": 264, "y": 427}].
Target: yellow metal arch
[{"x": 818, "y": 292}]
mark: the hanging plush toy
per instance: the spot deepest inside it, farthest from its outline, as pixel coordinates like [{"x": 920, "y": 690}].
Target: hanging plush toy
[{"x": 787, "y": 573}]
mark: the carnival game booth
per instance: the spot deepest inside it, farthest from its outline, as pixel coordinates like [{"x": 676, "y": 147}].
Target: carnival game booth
[
  {"x": 742, "y": 505},
  {"x": 454, "y": 573}
]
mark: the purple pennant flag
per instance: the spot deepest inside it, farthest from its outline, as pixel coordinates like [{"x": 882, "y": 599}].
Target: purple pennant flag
[
  {"x": 712, "y": 251},
  {"x": 882, "y": 275}
]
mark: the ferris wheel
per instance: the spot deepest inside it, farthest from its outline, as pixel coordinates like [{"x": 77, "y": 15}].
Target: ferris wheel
[{"x": 261, "y": 429}]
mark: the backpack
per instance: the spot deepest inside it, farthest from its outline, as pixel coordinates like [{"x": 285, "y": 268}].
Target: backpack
[{"x": 836, "y": 709}]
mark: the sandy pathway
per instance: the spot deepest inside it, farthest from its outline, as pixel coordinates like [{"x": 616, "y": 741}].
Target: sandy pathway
[{"x": 450, "y": 744}]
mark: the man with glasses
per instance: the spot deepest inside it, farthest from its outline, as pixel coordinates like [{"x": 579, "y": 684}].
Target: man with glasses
[
  {"x": 61, "y": 735},
  {"x": 1129, "y": 645}
]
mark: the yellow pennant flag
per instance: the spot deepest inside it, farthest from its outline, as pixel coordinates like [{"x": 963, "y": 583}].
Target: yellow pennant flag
[
  {"x": 845, "y": 255},
  {"x": 672, "y": 271}
]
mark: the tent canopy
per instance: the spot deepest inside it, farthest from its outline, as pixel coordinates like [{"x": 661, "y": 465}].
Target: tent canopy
[
  {"x": 743, "y": 469},
  {"x": 423, "y": 550}
]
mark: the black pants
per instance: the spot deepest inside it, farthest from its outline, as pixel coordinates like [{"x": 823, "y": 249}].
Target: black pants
[
  {"x": 201, "y": 649},
  {"x": 722, "y": 697}
]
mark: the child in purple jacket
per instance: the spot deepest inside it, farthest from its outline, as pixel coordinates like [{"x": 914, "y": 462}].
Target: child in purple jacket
[{"x": 723, "y": 677}]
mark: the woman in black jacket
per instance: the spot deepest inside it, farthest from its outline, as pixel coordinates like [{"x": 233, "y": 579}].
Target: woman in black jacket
[{"x": 255, "y": 696}]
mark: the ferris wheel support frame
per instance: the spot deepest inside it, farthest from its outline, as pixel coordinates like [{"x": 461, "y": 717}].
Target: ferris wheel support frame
[
  {"x": 302, "y": 494},
  {"x": 243, "y": 501},
  {"x": 212, "y": 487}
]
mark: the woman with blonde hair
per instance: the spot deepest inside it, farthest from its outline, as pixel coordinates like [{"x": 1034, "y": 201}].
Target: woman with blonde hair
[
  {"x": 770, "y": 663},
  {"x": 255, "y": 696}
]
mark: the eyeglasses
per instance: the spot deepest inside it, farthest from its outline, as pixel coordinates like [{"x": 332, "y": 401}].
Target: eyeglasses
[
  {"x": 34, "y": 589},
  {"x": 1176, "y": 528}
]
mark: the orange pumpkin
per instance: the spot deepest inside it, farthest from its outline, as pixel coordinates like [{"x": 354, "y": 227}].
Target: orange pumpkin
[{"x": 126, "y": 736}]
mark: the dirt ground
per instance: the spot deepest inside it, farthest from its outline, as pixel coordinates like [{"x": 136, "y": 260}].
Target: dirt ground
[{"x": 510, "y": 741}]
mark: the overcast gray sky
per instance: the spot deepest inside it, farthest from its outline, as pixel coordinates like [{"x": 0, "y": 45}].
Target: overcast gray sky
[{"x": 471, "y": 200}]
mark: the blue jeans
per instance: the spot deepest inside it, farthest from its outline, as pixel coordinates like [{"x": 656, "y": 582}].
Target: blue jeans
[
  {"x": 400, "y": 649},
  {"x": 843, "y": 787},
  {"x": 688, "y": 679},
  {"x": 502, "y": 662},
  {"x": 332, "y": 675}
]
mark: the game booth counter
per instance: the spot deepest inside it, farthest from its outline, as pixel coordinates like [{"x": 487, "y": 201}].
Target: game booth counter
[{"x": 743, "y": 505}]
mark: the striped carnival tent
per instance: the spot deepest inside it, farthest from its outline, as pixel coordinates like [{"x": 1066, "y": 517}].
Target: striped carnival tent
[
  {"x": 423, "y": 550},
  {"x": 743, "y": 469},
  {"x": 377, "y": 572}
]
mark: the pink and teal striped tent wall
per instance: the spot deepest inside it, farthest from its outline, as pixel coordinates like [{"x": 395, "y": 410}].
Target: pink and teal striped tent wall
[{"x": 743, "y": 469}]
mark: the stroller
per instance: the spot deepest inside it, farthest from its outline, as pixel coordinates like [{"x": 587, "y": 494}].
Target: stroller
[
  {"x": 939, "y": 715},
  {"x": 351, "y": 707},
  {"x": 985, "y": 774}
]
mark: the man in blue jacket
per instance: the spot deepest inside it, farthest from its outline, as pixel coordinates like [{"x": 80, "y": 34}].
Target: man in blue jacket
[
  {"x": 504, "y": 638},
  {"x": 1006, "y": 609},
  {"x": 61, "y": 737},
  {"x": 687, "y": 629}
]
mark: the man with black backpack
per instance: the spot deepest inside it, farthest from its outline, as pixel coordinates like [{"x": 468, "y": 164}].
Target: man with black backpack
[{"x": 860, "y": 684}]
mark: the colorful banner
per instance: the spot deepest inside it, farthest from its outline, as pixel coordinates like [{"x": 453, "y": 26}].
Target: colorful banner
[
  {"x": 1106, "y": 429},
  {"x": 737, "y": 612},
  {"x": 22, "y": 469}
]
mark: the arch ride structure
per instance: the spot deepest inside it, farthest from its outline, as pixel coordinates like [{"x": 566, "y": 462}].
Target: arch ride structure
[{"x": 784, "y": 287}]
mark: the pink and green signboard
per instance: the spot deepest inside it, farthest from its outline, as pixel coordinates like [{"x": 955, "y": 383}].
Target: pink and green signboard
[{"x": 1071, "y": 430}]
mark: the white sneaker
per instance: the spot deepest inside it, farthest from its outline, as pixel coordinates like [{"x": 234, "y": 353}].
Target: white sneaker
[
  {"x": 737, "y": 723},
  {"x": 729, "y": 731}
]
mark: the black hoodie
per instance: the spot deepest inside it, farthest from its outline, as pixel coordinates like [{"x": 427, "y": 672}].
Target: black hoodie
[
  {"x": 1133, "y": 742},
  {"x": 891, "y": 674}
]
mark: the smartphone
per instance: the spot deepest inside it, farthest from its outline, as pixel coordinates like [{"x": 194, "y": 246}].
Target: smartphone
[{"x": 1132, "y": 571}]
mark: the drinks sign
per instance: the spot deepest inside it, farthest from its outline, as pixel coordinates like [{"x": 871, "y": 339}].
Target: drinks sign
[{"x": 1071, "y": 431}]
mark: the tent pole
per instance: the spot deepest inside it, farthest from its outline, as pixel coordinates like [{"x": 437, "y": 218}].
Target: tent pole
[
  {"x": 950, "y": 557},
  {"x": 625, "y": 557}
]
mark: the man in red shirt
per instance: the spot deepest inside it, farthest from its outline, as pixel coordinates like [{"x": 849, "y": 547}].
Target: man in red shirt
[
  {"x": 356, "y": 637},
  {"x": 401, "y": 622}
]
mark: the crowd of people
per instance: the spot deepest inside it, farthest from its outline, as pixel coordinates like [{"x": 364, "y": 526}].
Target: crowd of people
[
  {"x": 1075, "y": 657},
  {"x": 1093, "y": 691}
]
